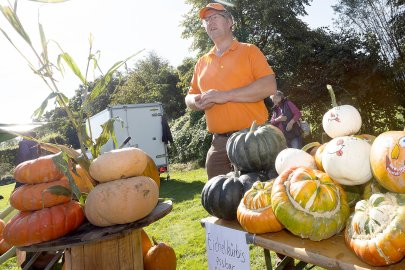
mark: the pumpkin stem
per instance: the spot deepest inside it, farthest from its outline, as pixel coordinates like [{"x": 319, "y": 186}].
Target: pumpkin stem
[
  {"x": 155, "y": 242},
  {"x": 253, "y": 127},
  {"x": 332, "y": 95},
  {"x": 235, "y": 169},
  {"x": 310, "y": 145}
]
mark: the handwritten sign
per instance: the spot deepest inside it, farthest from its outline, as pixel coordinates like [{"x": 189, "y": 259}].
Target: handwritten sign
[{"x": 226, "y": 248}]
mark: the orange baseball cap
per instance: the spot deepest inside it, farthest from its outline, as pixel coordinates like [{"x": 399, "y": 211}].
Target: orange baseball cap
[{"x": 215, "y": 6}]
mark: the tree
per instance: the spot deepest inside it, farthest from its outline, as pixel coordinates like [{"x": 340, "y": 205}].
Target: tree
[
  {"x": 306, "y": 60},
  {"x": 185, "y": 72},
  {"x": 152, "y": 80},
  {"x": 256, "y": 21},
  {"x": 383, "y": 19}
]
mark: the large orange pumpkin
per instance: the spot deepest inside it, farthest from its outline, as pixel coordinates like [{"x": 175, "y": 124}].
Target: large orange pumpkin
[
  {"x": 34, "y": 197},
  {"x": 151, "y": 171},
  {"x": 146, "y": 243},
  {"x": 39, "y": 170},
  {"x": 254, "y": 213},
  {"x": 387, "y": 159},
  {"x": 27, "y": 228},
  {"x": 82, "y": 179},
  {"x": 376, "y": 230}
]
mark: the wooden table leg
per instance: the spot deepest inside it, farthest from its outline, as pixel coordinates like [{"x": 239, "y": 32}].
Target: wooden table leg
[{"x": 267, "y": 259}]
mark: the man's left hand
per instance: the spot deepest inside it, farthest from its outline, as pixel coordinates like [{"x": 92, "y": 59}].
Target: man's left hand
[{"x": 213, "y": 96}]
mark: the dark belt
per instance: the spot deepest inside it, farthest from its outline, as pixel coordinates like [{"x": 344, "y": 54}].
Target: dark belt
[{"x": 227, "y": 135}]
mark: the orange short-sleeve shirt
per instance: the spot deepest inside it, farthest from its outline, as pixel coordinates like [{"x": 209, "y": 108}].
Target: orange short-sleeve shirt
[{"x": 239, "y": 66}]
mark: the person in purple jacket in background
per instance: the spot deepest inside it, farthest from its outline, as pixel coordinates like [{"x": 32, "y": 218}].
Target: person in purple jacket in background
[{"x": 286, "y": 116}]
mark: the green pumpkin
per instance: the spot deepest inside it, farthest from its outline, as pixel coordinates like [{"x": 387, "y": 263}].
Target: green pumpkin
[
  {"x": 309, "y": 203},
  {"x": 221, "y": 195},
  {"x": 256, "y": 149}
]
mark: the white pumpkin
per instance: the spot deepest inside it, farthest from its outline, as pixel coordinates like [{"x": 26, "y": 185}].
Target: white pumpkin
[
  {"x": 291, "y": 157},
  {"x": 347, "y": 160},
  {"x": 341, "y": 120}
]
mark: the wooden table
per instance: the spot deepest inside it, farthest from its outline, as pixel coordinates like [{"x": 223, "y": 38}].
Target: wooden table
[
  {"x": 92, "y": 247},
  {"x": 331, "y": 253}
]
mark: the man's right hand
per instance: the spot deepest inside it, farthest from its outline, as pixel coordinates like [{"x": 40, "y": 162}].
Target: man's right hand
[{"x": 194, "y": 102}]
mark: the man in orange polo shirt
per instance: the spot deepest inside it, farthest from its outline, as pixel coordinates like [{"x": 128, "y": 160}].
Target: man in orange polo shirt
[{"x": 229, "y": 84}]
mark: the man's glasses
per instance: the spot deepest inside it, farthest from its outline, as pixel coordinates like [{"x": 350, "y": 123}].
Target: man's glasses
[{"x": 214, "y": 17}]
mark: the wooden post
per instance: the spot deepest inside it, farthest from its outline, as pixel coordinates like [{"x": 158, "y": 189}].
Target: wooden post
[{"x": 123, "y": 252}]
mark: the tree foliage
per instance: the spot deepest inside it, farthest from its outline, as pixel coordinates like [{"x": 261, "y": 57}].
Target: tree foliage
[
  {"x": 152, "y": 80},
  {"x": 305, "y": 60},
  {"x": 191, "y": 139}
]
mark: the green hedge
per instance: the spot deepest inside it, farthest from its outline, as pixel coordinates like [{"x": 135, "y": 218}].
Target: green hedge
[
  {"x": 8, "y": 160},
  {"x": 191, "y": 139}
]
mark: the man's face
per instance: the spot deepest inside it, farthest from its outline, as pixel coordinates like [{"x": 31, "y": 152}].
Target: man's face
[{"x": 216, "y": 24}]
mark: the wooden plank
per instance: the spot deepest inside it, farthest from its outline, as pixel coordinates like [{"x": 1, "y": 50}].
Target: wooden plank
[
  {"x": 125, "y": 253},
  {"x": 109, "y": 253},
  {"x": 331, "y": 253},
  {"x": 137, "y": 249},
  {"x": 74, "y": 258},
  {"x": 91, "y": 258},
  {"x": 88, "y": 233}
]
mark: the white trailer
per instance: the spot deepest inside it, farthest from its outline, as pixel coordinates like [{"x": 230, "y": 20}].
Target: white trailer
[{"x": 142, "y": 122}]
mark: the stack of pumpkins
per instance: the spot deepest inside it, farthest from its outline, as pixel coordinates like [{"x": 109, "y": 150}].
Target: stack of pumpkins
[
  {"x": 42, "y": 215},
  {"x": 128, "y": 190},
  {"x": 253, "y": 152},
  {"x": 123, "y": 194},
  {"x": 313, "y": 193}
]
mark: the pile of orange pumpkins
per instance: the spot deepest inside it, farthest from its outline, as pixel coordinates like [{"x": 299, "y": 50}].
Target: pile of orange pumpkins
[
  {"x": 122, "y": 186},
  {"x": 354, "y": 183}
]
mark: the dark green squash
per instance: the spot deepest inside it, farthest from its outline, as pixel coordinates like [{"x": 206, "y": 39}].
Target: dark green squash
[
  {"x": 256, "y": 149},
  {"x": 221, "y": 195}
]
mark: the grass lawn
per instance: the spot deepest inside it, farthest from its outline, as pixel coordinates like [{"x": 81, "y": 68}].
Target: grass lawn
[{"x": 181, "y": 228}]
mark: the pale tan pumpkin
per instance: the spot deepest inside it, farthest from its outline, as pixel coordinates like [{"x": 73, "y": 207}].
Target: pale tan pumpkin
[
  {"x": 119, "y": 164},
  {"x": 121, "y": 201}
]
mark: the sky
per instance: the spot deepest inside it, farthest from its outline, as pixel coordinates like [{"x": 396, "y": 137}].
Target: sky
[{"x": 119, "y": 28}]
